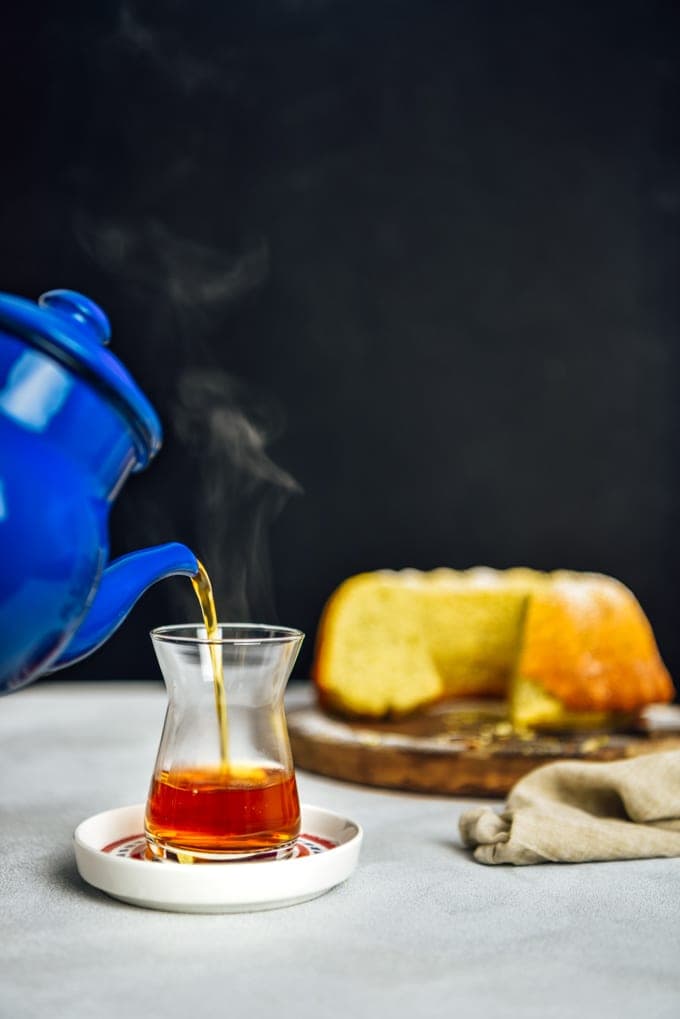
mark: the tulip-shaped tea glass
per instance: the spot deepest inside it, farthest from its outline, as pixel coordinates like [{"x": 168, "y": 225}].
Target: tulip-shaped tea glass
[{"x": 223, "y": 786}]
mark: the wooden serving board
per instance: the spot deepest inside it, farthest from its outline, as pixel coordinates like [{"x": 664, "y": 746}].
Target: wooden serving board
[{"x": 465, "y": 748}]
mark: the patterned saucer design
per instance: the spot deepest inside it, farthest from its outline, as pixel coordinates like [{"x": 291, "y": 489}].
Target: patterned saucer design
[{"x": 133, "y": 847}]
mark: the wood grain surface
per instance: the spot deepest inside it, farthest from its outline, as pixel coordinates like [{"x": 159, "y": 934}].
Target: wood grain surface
[{"x": 464, "y": 749}]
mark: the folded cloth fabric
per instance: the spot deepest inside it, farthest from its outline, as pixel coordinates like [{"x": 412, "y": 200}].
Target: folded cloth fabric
[{"x": 574, "y": 811}]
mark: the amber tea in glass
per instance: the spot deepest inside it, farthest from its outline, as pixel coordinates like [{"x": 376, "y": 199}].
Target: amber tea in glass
[{"x": 223, "y": 786}]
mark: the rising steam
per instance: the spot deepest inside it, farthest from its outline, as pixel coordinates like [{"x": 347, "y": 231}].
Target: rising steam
[
  {"x": 194, "y": 278},
  {"x": 165, "y": 47},
  {"x": 240, "y": 489},
  {"x": 185, "y": 268}
]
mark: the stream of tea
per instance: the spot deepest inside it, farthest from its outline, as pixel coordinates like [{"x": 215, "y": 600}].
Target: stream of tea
[{"x": 204, "y": 592}]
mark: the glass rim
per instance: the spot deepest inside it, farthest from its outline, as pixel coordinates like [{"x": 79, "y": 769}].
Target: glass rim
[{"x": 173, "y": 634}]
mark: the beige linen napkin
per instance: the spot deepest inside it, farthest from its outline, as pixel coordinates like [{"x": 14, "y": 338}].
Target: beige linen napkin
[{"x": 572, "y": 812}]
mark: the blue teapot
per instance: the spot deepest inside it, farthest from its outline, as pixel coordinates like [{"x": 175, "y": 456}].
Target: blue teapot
[{"x": 73, "y": 425}]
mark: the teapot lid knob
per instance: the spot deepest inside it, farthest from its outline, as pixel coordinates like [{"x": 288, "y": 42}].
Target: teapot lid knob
[{"x": 85, "y": 312}]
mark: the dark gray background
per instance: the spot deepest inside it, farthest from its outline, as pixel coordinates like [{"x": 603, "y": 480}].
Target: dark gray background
[{"x": 400, "y": 277}]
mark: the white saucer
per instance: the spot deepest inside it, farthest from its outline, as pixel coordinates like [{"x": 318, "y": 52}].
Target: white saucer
[{"x": 108, "y": 848}]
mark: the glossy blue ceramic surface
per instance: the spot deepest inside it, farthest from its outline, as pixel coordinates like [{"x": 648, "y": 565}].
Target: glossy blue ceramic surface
[{"x": 73, "y": 425}]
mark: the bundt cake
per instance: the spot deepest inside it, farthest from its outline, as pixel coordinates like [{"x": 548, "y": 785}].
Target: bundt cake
[{"x": 568, "y": 650}]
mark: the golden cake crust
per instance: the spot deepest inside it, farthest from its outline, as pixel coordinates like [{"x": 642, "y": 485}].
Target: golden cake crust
[{"x": 588, "y": 643}]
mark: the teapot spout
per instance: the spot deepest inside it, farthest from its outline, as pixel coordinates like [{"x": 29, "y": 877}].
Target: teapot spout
[{"x": 122, "y": 583}]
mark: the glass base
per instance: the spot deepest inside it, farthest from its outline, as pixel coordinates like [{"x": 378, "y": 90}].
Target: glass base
[{"x": 161, "y": 851}]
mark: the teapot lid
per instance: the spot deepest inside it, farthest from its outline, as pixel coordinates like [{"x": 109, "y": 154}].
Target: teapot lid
[{"x": 74, "y": 330}]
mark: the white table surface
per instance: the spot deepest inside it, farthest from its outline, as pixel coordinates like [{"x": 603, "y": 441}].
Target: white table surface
[{"x": 420, "y": 929}]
